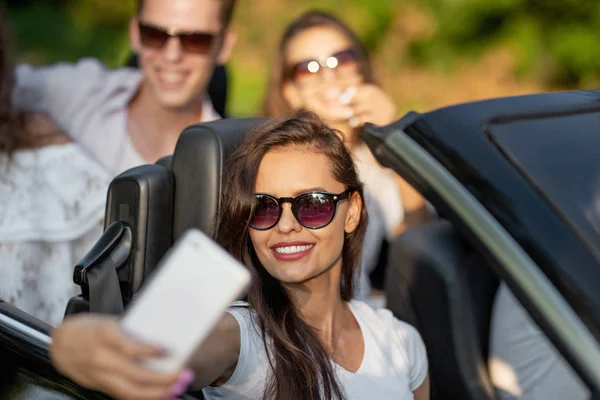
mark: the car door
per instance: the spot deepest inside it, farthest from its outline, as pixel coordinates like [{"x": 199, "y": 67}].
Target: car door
[
  {"x": 25, "y": 368},
  {"x": 459, "y": 159}
]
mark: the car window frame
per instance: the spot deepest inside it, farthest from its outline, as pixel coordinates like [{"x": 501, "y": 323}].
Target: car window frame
[
  {"x": 29, "y": 340},
  {"x": 26, "y": 340}
]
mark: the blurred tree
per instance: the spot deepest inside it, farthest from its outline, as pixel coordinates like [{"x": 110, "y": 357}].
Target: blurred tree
[
  {"x": 554, "y": 40},
  {"x": 49, "y": 31},
  {"x": 65, "y": 30},
  {"x": 26, "y": 3}
]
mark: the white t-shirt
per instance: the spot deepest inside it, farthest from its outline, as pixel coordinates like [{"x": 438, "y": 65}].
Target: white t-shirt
[{"x": 394, "y": 363}]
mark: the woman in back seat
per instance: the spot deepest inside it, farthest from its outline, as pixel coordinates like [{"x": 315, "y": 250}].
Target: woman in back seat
[
  {"x": 322, "y": 66},
  {"x": 293, "y": 214},
  {"x": 52, "y": 199}
]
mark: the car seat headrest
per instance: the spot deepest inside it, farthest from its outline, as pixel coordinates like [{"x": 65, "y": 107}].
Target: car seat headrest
[{"x": 197, "y": 166}]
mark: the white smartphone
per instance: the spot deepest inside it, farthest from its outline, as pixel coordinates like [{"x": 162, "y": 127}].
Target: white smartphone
[{"x": 195, "y": 283}]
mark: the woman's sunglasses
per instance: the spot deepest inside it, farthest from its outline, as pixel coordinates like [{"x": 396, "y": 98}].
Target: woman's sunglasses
[
  {"x": 312, "y": 210},
  {"x": 342, "y": 61},
  {"x": 192, "y": 42}
]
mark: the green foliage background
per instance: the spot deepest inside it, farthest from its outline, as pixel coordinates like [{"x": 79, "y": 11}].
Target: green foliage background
[
  {"x": 555, "y": 40},
  {"x": 554, "y": 43}
]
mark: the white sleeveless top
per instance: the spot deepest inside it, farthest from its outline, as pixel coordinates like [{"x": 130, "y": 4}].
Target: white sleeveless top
[
  {"x": 52, "y": 206},
  {"x": 394, "y": 363}
]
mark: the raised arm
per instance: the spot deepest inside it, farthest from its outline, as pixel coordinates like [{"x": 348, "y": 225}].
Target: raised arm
[
  {"x": 87, "y": 100},
  {"x": 59, "y": 90}
]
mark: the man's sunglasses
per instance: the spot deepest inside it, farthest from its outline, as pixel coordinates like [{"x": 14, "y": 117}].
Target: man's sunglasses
[
  {"x": 342, "y": 61},
  {"x": 192, "y": 42},
  {"x": 312, "y": 210}
]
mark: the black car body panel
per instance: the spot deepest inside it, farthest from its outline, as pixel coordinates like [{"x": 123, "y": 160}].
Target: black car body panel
[
  {"x": 25, "y": 368},
  {"x": 470, "y": 141}
]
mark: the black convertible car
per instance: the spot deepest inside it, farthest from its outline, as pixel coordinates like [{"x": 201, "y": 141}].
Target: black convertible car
[{"x": 515, "y": 182}]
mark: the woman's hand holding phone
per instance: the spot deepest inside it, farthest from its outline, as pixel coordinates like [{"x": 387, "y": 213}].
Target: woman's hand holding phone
[
  {"x": 95, "y": 352},
  {"x": 179, "y": 307}
]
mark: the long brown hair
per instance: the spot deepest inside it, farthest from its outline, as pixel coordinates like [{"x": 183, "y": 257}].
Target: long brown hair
[
  {"x": 299, "y": 365},
  {"x": 11, "y": 123},
  {"x": 275, "y": 104}
]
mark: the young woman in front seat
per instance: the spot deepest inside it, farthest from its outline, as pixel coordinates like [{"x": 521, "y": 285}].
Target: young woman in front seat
[{"x": 293, "y": 192}]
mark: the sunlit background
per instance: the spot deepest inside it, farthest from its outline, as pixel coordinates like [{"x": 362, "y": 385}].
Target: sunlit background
[{"x": 428, "y": 53}]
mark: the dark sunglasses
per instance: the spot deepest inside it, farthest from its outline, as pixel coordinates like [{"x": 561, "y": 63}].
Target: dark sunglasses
[
  {"x": 313, "y": 210},
  {"x": 342, "y": 60},
  {"x": 192, "y": 42}
]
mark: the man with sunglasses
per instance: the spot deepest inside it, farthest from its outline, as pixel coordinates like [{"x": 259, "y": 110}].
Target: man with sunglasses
[{"x": 127, "y": 117}]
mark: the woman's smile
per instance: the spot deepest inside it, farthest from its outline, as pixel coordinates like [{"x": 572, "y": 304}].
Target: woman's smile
[{"x": 291, "y": 251}]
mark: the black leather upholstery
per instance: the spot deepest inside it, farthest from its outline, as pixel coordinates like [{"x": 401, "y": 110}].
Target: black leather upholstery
[
  {"x": 165, "y": 162},
  {"x": 440, "y": 285},
  {"x": 142, "y": 198},
  {"x": 198, "y": 168},
  {"x": 157, "y": 203}
]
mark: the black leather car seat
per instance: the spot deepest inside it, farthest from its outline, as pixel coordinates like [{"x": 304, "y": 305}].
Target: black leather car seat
[
  {"x": 149, "y": 207},
  {"x": 439, "y": 284}
]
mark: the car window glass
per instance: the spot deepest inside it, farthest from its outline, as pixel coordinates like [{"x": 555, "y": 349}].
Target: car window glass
[{"x": 561, "y": 157}]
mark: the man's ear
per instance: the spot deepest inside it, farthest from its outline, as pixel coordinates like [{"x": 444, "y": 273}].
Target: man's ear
[
  {"x": 292, "y": 95},
  {"x": 354, "y": 213},
  {"x": 229, "y": 41},
  {"x": 134, "y": 35}
]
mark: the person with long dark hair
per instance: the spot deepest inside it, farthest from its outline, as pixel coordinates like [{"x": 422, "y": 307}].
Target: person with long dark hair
[
  {"x": 321, "y": 65},
  {"x": 293, "y": 214},
  {"x": 52, "y": 199}
]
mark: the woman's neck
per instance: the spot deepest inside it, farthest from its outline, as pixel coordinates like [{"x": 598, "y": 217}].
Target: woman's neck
[{"x": 320, "y": 304}]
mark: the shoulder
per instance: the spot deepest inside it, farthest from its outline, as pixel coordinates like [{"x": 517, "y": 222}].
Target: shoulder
[
  {"x": 408, "y": 350},
  {"x": 384, "y": 319},
  {"x": 406, "y": 335},
  {"x": 250, "y": 373},
  {"x": 386, "y": 328},
  {"x": 399, "y": 327},
  {"x": 246, "y": 320}
]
